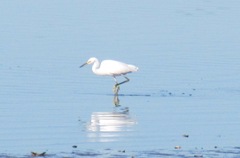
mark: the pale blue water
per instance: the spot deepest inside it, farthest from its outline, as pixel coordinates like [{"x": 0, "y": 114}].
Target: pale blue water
[{"x": 188, "y": 80}]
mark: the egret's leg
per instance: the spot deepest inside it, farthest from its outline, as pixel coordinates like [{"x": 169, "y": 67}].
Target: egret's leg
[
  {"x": 116, "y": 88},
  {"x": 115, "y": 79},
  {"x": 127, "y": 80}
]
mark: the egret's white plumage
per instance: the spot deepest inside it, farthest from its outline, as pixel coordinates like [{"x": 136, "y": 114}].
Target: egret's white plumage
[{"x": 111, "y": 68}]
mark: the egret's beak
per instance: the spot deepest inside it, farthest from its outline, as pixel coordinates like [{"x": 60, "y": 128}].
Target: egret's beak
[{"x": 83, "y": 65}]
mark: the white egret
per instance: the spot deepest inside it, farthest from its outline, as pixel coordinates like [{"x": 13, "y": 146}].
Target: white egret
[{"x": 111, "y": 68}]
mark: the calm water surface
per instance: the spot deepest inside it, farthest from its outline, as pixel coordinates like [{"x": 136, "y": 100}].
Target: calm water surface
[{"x": 185, "y": 95}]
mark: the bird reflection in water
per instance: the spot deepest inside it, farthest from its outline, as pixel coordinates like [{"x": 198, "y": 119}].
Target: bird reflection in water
[{"x": 109, "y": 126}]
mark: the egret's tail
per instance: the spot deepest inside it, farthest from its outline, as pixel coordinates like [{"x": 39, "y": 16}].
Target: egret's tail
[{"x": 133, "y": 68}]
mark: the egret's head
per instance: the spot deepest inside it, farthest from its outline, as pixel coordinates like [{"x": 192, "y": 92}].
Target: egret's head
[{"x": 90, "y": 61}]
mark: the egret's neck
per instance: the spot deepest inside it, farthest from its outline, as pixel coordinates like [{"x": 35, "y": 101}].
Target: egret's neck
[{"x": 96, "y": 66}]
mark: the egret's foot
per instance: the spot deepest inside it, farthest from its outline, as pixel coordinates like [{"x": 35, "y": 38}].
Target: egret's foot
[{"x": 116, "y": 88}]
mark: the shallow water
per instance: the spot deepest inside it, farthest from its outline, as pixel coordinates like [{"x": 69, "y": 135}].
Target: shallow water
[{"x": 186, "y": 93}]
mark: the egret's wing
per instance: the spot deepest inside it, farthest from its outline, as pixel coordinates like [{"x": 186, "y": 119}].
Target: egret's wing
[{"x": 112, "y": 67}]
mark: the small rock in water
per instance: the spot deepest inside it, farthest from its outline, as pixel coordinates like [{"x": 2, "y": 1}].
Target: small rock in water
[
  {"x": 177, "y": 147},
  {"x": 35, "y": 154}
]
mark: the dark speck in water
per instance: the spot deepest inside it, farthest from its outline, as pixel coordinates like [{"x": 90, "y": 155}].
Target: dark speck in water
[{"x": 186, "y": 135}]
